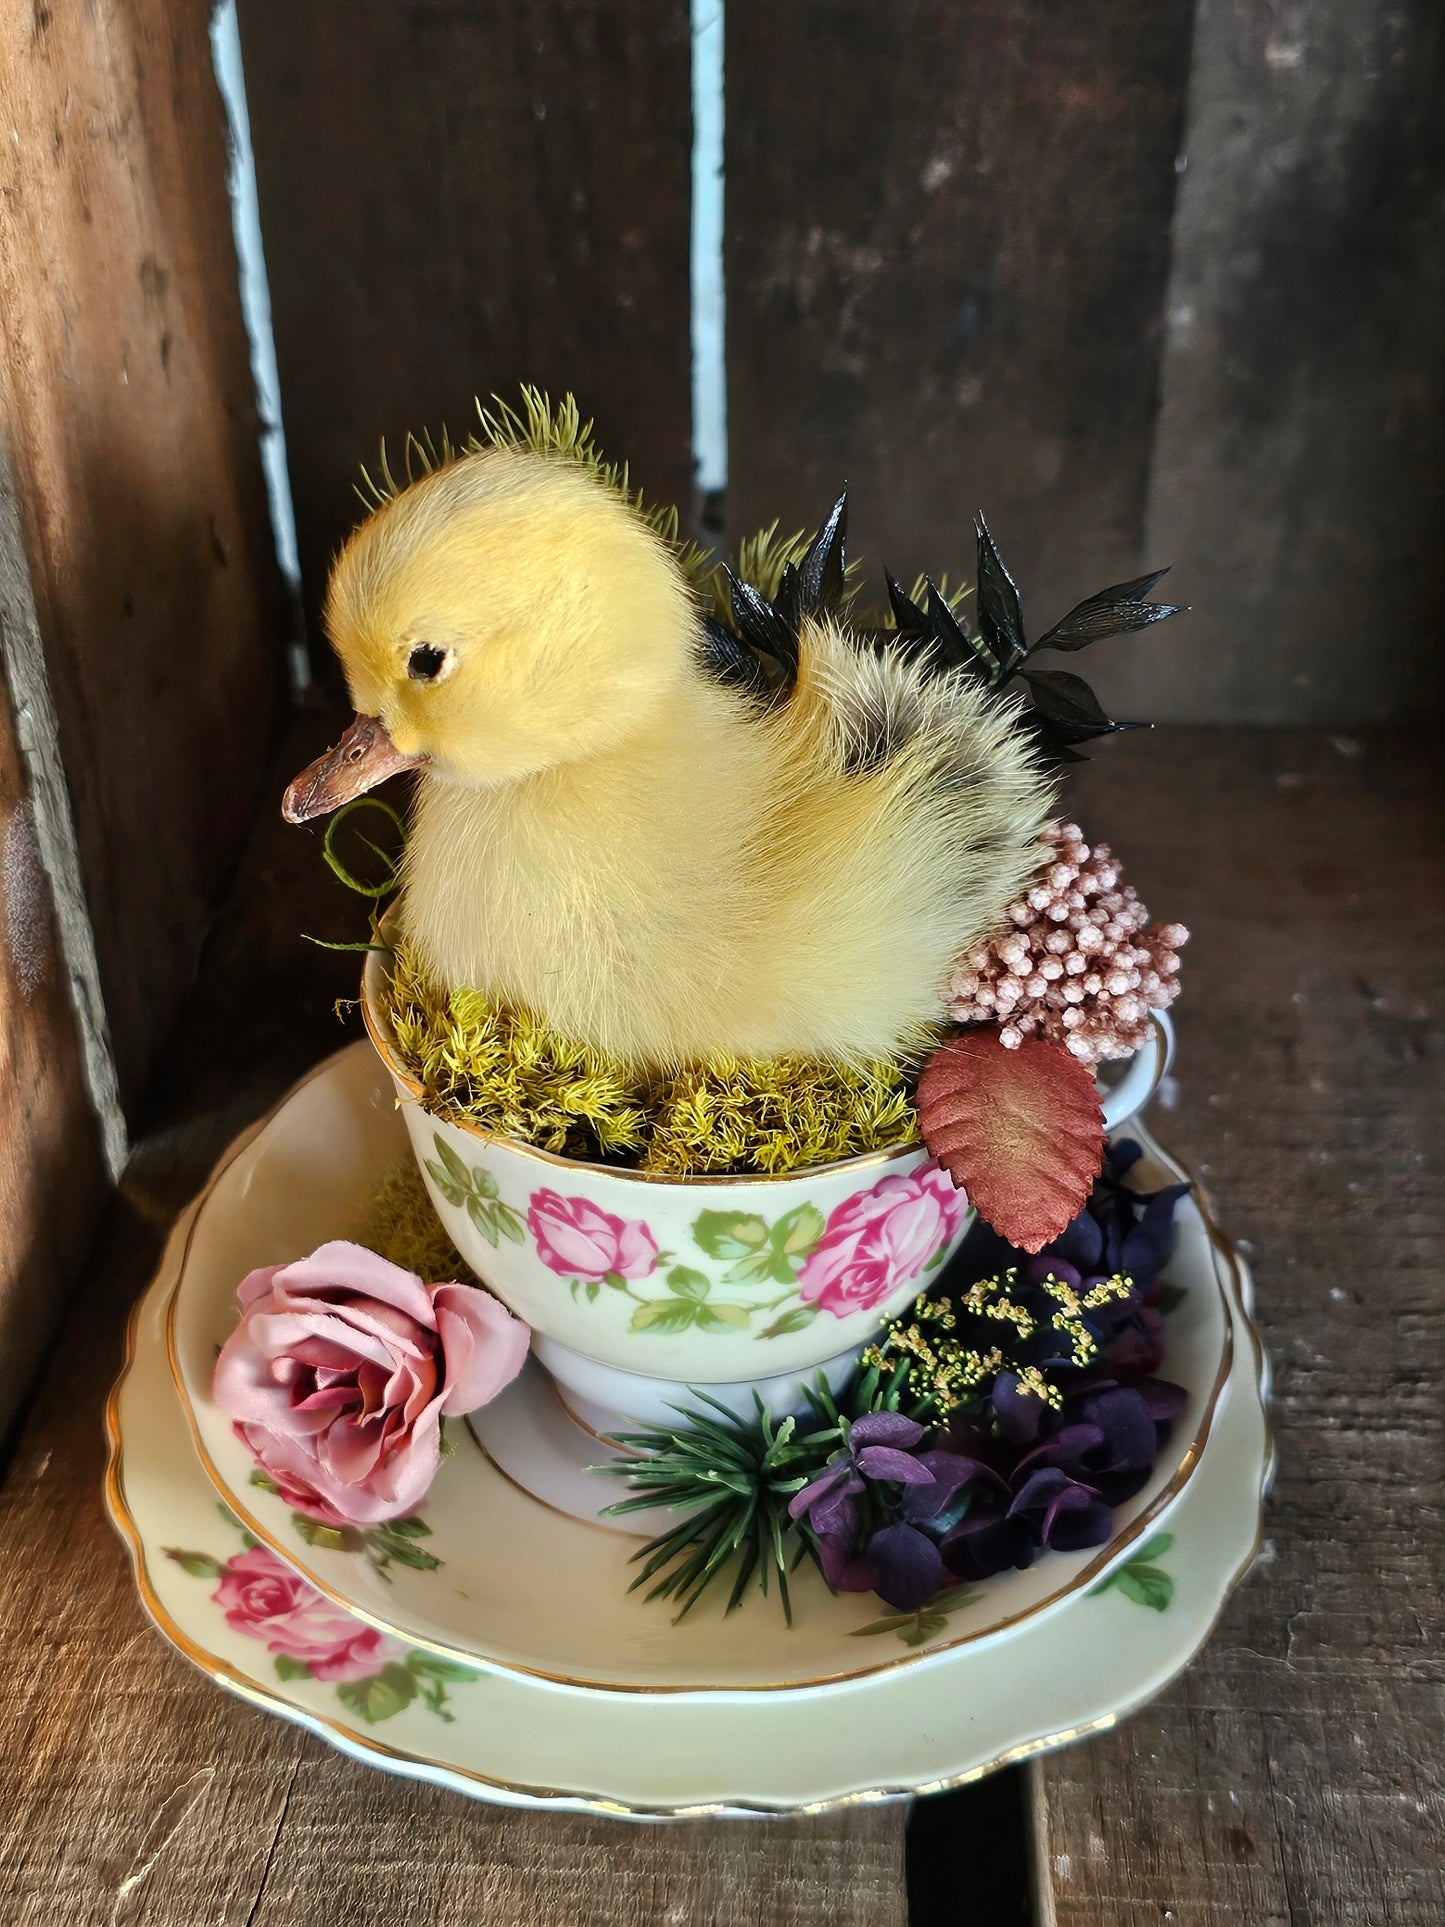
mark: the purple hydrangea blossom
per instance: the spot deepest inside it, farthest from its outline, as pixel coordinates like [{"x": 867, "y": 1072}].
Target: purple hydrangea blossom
[
  {"x": 857, "y": 1553},
  {"x": 904, "y": 1511},
  {"x": 1121, "y": 1229}
]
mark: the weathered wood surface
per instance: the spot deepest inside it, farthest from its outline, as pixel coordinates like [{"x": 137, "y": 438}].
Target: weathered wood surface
[
  {"x": 1296, "y": 482},
  {"x": 1293, "y": 1775},
  {"x": 126, "y": 406},
  {"x": 137, "y": 1794},
  {"x": 948, "y": 236},
  {"x": 457, "y": 199},
  {"x": 50, "y": 1174}
]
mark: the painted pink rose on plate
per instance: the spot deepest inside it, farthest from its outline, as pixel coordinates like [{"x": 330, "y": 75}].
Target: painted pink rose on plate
[
  {"x": 342, "y": 1369},
  {"x": 578, "y": 1239},
  {"x": 262, "y": 1598},
  {"x": 881, "y": 1239}
]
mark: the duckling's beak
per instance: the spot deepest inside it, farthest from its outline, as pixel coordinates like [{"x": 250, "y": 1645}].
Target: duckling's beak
[{"x": 364, "y": 757}]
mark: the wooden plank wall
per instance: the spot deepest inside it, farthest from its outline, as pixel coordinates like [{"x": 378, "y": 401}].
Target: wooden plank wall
[
  {"x": 1296, "y": 474},
  {"x": 959, "y": 274},
  {"x": 948, "y": 244},
  {"x": 126, "y": 406},
  {"x": 1148, "y": 281},
  {"x": 457, "y": 199},
  {"x": 144, "y": 629},
  {"x": 51, "y": 1179}
]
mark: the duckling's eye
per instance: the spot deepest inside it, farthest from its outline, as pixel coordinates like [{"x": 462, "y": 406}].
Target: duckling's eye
[{"x": 425, "y": 663}]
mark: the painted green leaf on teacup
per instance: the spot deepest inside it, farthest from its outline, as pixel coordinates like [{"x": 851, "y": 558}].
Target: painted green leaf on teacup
[
  {"x": 449, "y": 1191},
  {"x": 328, "y": 1538},
  {"x": 688, "y": 1283},
  {"x": 412, "y": 1528},
  {"x": 917, "y": 1627},
  {"x": 710, "y": 1318},
  {"x": 453, "y": 1179},
  {"x": 288, "y": 1668},
  {"x": 510, "y": 1223},
  {"x": 729, "y": 1234},
  {"x": 754, "y": 1253},
  {"x": 432, "y": 1666},
  {"x": 495, "y": 1220},
  {"x": 798, "y": 1232},
  {"x": 396, "y": 1542},
  {"x": 761, "y": 1267},
  {"x": 665, "y": 1316},
  {"x": 1146, "y": 1586},
  {"x": 795, "y": 1319},
  {"x": 434, "y": 1675}
]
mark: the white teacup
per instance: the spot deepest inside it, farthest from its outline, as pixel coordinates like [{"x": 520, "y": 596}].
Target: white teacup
[{"x": 722, "y": 1282}]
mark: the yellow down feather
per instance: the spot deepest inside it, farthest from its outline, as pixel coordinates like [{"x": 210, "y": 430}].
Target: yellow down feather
[{"x": 607, "y": 837}]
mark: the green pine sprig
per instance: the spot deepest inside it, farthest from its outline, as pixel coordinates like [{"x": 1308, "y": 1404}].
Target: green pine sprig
[{"x": 733, "y": 1479}]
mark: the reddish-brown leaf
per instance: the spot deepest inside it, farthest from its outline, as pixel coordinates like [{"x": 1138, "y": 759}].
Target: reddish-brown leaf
[{"x": 1020, "y": 1130}]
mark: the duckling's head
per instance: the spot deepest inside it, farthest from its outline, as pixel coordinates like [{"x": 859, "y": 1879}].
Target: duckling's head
[{"x": 505, "y": 614}]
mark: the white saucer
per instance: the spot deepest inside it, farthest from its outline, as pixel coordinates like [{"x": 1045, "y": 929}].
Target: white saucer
[
  {"x": 503, "y": 1736},
  {"x": 503, "y": 1580}
]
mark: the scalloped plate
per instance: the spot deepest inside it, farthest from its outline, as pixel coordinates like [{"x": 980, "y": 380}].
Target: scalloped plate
[{"x": 503, "y": 1737}]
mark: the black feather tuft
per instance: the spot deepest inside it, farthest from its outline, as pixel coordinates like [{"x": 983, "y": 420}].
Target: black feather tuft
[
  {"x": 958, "y": 649},
  {"x": 788, "y": 600}
]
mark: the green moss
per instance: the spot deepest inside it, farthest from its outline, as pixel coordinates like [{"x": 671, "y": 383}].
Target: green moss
[
  {"x": 509, "y": 1073},
  {"x": 749, "y": 1115},
  {"x": 402, "y": 1224},
  {"x": 482, "y": 1064}
]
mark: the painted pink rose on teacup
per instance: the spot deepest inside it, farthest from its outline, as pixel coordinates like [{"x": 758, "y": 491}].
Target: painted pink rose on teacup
[
  {"x": 880, "y": 1239},
  {"x": 342, "y": 1369},
  {"x": 262, "y": 1598},
  {"x": 578, "y": 1239}
]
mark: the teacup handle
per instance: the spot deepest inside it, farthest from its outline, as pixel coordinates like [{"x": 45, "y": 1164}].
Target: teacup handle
[{"x": 1143, "y": 1077}]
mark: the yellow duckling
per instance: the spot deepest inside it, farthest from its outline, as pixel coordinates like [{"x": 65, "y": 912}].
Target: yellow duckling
[{"x": 621, "y": 823}]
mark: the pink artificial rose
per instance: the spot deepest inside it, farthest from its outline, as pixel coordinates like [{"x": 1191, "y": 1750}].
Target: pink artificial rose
[
  {"x": 578, "y": 1239},
  {"x": 342, "y": 1369},
  {"x": 264, "y": 1599},
  {"x": 877, "y": 1240}
]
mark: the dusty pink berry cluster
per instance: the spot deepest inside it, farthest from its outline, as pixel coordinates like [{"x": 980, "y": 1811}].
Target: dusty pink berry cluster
[{"x": 1081, "y": 965}]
